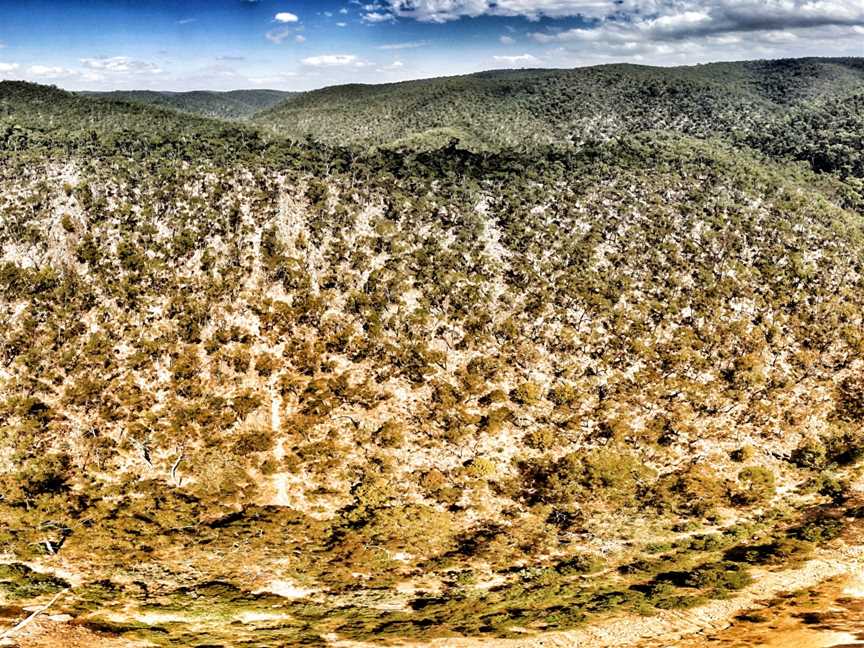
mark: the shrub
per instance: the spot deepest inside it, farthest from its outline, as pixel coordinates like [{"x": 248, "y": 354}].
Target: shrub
[
  {"x": 494, "y": 396},
  {"x": 581, "y": 564},
  {"x": 665, "y": 596},
  {"x": 527, "y": 393},
  {"x": 607, "y": 473},
  {"x": 481, "y": 468},
  {"x": 778, "y": 552},
  {"x": 432, "y": 480},
  {"x": 718, "y": 577},
  {"x": 45, "y": 475},
  {"x": 265, "y": 365},
  {"x": 564, "y": 395},
  {"x": 67, "y": 223},
  {"x": 828, "y": 485},
  {"x": 390, "y": 435},
  {"x": 742, "y": 454},
  {"x": 821, "y": 529},
  {"x": 849, "y": 398},
  {"x": 810, "y": 454},
  {"x": 846, "y": 446},
  {"x": 541, "y": 439},
  {"x": 253, "y": 441},
  {"x": 493, "y": 422},
  {"x": 756, "y": 485},
  {"x": 695, "y": 489}
]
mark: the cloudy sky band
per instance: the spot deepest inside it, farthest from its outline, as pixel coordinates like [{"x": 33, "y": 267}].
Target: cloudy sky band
[{"x": 303, "y": 44}]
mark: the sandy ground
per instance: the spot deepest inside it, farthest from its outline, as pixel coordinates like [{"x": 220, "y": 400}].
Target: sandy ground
[
  {"x": 667, "y": 629},
  {"x": 48, "y": 632}
]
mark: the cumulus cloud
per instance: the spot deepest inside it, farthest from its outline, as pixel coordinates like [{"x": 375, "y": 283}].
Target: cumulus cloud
[
  {"x": 636, "y": 27},
  {"x": 333, "y": 60},
  {"x": 753, "y": 14},
  {"x": 698, "y": 19},
  {"x": 446, "y": 10},
  {"x": 8, "y": 67},
  {"x": 286, "y": 17},
  {"x": 378, "y": 17}
]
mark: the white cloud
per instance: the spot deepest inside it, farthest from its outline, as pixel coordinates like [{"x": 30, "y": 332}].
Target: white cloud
[
  {"x": 506, "y": 40},
  {"x": 120, "y": 64},
  {"x": 446, "y": 10},
  {"x": 286, "y": 17},
  {"x": 50, "y": 72},
  {"x": 279, "y": 36},
  {"x": 403, "y": 46},
  {"x": 378, "y": 17},
  {"x": 333, "y": 60},
  {"x": 300, "y": 39},
  {"x": 643, "y": 19},
  {"x": 707, "y": 29},
  {"x": 8, "y": 67},
  {"x": 519, "y": 60}
]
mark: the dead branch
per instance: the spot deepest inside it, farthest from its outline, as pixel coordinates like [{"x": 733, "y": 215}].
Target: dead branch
[{"x": 36, "y": 613}]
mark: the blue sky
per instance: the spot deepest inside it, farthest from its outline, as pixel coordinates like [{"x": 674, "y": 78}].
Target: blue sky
[{"x": 304, "y": 44}]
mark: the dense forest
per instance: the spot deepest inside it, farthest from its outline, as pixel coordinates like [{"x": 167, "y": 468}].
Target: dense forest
[
  {"x": 526, "y": 108},
  {"x": 236, "y": 104},
  {"x": 524, "y": 350}
]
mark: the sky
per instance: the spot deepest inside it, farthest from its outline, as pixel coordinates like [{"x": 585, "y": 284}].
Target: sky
[{"x": 306, "y": 44}]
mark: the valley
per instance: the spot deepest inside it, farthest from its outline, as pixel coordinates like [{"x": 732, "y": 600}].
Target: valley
[{"x": 551, "y": 372}]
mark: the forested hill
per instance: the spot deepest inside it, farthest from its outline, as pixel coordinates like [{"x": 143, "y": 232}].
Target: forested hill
[
  {"x": 261, "y": 392},
  {"x": 48, "y": 109},
  {"x": 529, "y": 107},
  {"x": 237, "y": 104}
]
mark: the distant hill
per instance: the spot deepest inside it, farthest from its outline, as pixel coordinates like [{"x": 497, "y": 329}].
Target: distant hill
[
  {"x": 539, "y": 107},
  {"x": 237, "y": 104},
  {"x": 48, "y": 108},
  {"x": 36, "y": 119}
]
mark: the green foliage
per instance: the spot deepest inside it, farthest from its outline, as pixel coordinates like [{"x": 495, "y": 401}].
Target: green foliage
[
  {"x": 800, "y": 109},
  {"x": 237, "y": 104},
  {"x": 756, "y": 484},
  {"x": 581, "y": 564},
  {"x": 610, "y": 474},
  {"x": 48, "y": 474},
  {"x": 810, "y": 454},
  {"x": 19, "y": 582}
]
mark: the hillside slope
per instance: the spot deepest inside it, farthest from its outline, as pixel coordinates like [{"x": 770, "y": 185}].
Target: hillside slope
[
  {"x": 236, "y": 104},
  {"x": 561, "y": 107},
  {"x": 253, "y": 391}
]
